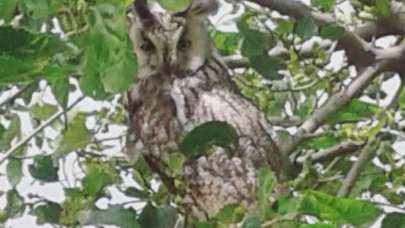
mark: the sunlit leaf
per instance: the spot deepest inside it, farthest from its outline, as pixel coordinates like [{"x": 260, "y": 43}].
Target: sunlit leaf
[
  {"x": 383, "y": 7},
  {"x": 43, "y": 111},
  {"x": 339, "y": 210},
  {"x": 98, "y": 176},
  {"x": 323, "y": 141},
  {"x": 75, "y": 137},
  {"x": 7, "y": 8},
  {"x": 175, "y": 5},
  {"x": 265, "y": 187},
  {"x": 231, "y": 214},
  {"x": 108, "y": 64},
  {"x": 326, "y": 5},
  {"x": 354, "y": 111},
  {"x": 226, "y": 42}
]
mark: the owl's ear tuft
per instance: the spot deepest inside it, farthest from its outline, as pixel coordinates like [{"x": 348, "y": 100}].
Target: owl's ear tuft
[
  {"x": 141, "y": 11},
  {"x": 200, "y": 8}
]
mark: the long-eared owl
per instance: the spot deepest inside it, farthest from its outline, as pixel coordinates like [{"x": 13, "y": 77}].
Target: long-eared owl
[{"x": 181, "y": 83}]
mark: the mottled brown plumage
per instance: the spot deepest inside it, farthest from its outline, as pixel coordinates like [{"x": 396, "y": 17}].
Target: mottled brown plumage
[{"x": 182, "y": 83}]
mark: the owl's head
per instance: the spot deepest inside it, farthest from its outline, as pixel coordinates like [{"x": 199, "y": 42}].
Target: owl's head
[{"x": 170, "y": 43}]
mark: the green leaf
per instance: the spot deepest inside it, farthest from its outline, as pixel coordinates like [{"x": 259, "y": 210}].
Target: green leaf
[
  {"x": 15, "y": 205},
  {"x": 338, "y": 210},
  {"x": 286, "y": 205},
  {"x": 98, "y": 176},
  {"x": 252, "y": 222},
  {"x": 41, "y": 9},
  {"x": 265, "y": 187},
  {"x": 323, "y": 141},
  {"x": 7, "y": 8},
  {"x": 175, "y": 5},
  {"x": 139, "y": 194},
  {"x": 58, "y": 79},
  {"x": 204, "y": 225},
  {"x": 255, "y": 43},
  {"x": 75, "y": 202},
  {"x": 25, "y": 54},
  {"x": 13, "y": 70},
  {"x": 108, "y": 64},
  {"x": 230, "y": 214},
  {"x": 285, "y": 26},
  {"x": 202, "y": 137},
  {"x": 383, "y": 8},
  {"x": 267, "y": 66},
  {"x": 318, "y": 225},
  {"x": 10, "y": 133},
  {"x": 395, "y": 219},
  {"x": 158, "y": 217},
  {"x": 48, "y": 212},
  {"x": 14, "y": 171},
  {"x": 115, "y": 215},
  {"x": 76, "y": 136},
  {"x": 332, "y": 31},
  {"x": 326, "y": 5},
  {"x": 226, "y": 42},
  {"x": 354, "y": 111},
  {"x": 174, "y": 162},
  {"x": 25, "y": 45},
  {"x": 306, "y": 27},
  {"x": 44, "y": 169},
  {"x": 401, "y": 99},
  {"x": 43, "y": 111}
]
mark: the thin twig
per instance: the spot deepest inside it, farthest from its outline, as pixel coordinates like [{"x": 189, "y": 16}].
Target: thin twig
[
  {"x": 16, "y": 95},
  {"x": 333, "y": 152},
  {"x": 356, "y": 169},
  {"x": 37, "y": 130}
]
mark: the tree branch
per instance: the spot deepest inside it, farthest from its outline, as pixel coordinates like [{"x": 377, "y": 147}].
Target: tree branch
[
  {"x": 37, "y": 130},
  {"x": 355, "y": 171},
  {"x": 16, "y": 95},
  {"x": 333, "y": 104},
  {"x": 335, "y": 151}
]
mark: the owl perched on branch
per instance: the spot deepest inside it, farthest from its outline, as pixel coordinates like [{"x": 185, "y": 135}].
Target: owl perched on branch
[{"x": 182, "y": 83}]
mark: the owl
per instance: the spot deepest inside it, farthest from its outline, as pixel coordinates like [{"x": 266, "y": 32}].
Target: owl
[{"x": 181, "y": 83}]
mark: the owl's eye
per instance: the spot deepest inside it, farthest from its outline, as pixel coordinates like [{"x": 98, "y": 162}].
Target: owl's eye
[
  {"x": 184, "y": 43},
  {"x": 147, "y": 46}
]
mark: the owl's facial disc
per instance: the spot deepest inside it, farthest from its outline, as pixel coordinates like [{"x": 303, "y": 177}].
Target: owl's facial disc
[{"x": 166, "y": 43}]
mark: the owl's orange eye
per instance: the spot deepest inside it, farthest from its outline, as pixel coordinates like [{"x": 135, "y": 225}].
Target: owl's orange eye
[
  {"x": 184, "y": 43},
  {"x": 147, "y": 46}
]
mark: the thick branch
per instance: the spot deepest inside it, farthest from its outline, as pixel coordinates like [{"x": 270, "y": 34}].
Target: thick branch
[{"x": 37, "y": 130}]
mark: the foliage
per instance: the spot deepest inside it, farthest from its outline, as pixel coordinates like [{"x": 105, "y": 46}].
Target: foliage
[{"x": 53, "y": 51}]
